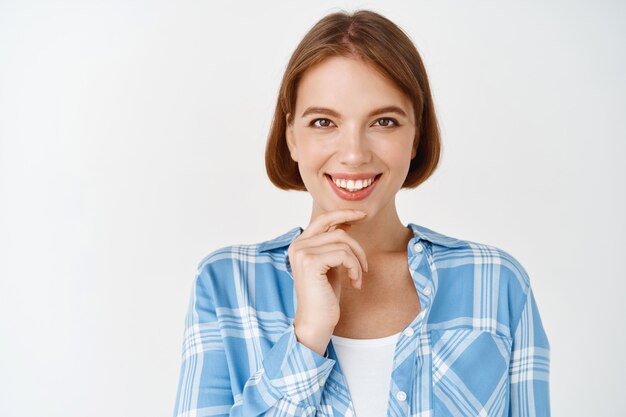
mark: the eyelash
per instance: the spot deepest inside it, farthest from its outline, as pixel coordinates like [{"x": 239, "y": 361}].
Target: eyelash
[{"x": 312, "y": 123}]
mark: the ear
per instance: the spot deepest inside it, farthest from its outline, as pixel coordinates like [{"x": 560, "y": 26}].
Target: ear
[{"x": 291, "y": 144}]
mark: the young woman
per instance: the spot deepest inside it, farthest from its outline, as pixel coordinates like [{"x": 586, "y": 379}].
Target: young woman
[{"x": 359, "y": 314}]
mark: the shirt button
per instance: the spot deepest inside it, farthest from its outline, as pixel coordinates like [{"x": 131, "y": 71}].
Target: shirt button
[
  {"x": 408, "y": 332},
  {"x": 418, "y": 247},
  {"x": 401, "y": 395},
  {"x": 427, "y": 290}
]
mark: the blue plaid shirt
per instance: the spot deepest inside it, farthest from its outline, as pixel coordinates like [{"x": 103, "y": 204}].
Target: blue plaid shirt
[{"x": 477, "y": 348}]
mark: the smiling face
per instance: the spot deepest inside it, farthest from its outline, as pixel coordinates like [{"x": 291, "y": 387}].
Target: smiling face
[{"x": 349, "y": 119}]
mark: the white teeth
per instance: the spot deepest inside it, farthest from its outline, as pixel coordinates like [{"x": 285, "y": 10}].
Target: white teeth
[{"x": 352, "y": 185}]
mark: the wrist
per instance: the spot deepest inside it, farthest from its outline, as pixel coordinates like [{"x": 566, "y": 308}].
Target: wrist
[{"x": 315, "y": 338}]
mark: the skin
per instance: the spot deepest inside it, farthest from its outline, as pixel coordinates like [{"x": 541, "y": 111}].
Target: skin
[{"x": 355, "y": 142}]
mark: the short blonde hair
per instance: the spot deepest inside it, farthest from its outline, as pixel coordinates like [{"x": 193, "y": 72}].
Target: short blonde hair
[{"x": 374, "y": 39}]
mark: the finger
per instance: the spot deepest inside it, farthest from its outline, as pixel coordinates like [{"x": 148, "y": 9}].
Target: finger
[
  {"x": 338, "y": 235},
  {"x": 325, "y": 221},
  {"x": 342, "y": 257},
  {"x": 319, "y": 250}
]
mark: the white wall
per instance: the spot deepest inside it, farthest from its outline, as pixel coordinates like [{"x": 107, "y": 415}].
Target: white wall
[{"x": 131, "y": 144}]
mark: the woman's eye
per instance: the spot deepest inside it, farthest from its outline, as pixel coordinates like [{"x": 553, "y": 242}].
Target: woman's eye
[
  {"x": 324, "y": 123},
  {"x": 386, "y": 121}
]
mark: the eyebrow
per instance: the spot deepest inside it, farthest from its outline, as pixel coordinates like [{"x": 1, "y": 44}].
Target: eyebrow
[{"x": 330, "y": 112}]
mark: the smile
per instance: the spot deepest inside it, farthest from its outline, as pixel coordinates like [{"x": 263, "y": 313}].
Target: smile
[{"x": 353, "y": 190}]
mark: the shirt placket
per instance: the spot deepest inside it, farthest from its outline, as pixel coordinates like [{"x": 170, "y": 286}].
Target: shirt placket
[
  {"x": 410, "y": 378},
  {"x": 424, "y": 275}
]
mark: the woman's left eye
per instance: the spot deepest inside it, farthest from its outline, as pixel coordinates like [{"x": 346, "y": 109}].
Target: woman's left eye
[
  {"x": 325, "y": 123},
  {"x": 387, "y": 120}
]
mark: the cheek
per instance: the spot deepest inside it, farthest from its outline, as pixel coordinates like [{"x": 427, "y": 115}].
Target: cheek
[
  {"x": 397, "y": 156},
  {"x": 313, "y": 153}
]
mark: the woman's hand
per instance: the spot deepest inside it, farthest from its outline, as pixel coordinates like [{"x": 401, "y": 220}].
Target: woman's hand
[{"x": 320, "y": 248}]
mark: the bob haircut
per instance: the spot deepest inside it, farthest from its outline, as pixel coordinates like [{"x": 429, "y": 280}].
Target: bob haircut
[{"x": 374, "y": 39}]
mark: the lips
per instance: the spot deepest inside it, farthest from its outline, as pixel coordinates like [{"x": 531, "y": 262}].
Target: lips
[{"x": 353, "y": 195}]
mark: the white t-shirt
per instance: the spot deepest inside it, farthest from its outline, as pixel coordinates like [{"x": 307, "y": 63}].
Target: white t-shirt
[{"x": 368, "y": 380}]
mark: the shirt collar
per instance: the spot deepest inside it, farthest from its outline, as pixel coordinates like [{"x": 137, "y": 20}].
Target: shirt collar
[{"x": 419, "y": 232}]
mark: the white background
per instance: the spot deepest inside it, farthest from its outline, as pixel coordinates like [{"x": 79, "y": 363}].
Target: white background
[{"x": 132, "y": 137}]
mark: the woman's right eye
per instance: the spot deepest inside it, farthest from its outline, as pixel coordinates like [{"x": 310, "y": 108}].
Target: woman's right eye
[{"x": 324, "y": 123}]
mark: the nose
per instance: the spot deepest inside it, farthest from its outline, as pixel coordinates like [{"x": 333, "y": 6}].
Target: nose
[{"x": 354, "y": 148}]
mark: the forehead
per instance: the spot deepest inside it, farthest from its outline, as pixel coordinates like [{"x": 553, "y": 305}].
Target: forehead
[{"x": 349, "y": 86}]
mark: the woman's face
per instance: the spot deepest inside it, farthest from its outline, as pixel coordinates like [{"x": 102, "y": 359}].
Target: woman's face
[{"x": 349, "y": 119}]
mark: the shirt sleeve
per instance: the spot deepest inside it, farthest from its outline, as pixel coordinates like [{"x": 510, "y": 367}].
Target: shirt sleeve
[
  {"x": 530, "y": 362},
  {"x": 289, "y": 383}
]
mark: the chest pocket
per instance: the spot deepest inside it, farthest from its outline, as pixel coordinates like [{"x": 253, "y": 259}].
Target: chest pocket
[{"x": 470, "y": 371}]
